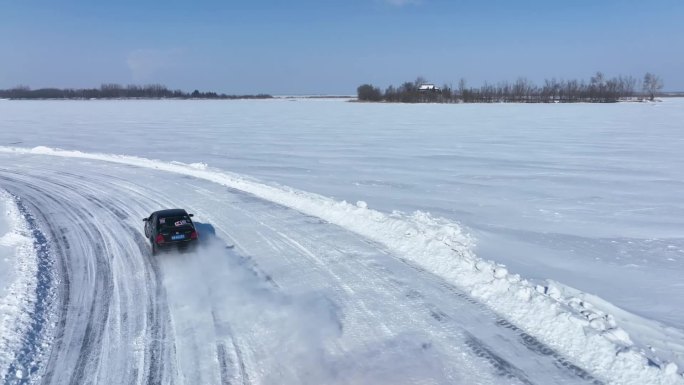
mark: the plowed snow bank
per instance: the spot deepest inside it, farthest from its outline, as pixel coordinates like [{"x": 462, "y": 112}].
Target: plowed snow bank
[{"x": 18, "y": 267}]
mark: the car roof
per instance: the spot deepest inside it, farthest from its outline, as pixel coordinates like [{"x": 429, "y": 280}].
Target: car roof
[{"x": 170, "y": 213}]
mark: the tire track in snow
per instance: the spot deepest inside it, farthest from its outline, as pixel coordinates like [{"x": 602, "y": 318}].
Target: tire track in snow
[
  {"x": 628, "y": 368},
  {"x": 232, "y": 370},
  {"x": 156, "y": 318},
  {"x": 301, "y": 245},
  {"x": 528, "y": 341},
  {"x": 503, "y": 367},
  {"x": 82, "y": 328},
  {"x": 537, "y": 347},
  {"x": 85, "y": 201},
  {"x": 310, "y": 247},
  {"x": 96, "y": 316},
  {"x": 308, "y": 243}
]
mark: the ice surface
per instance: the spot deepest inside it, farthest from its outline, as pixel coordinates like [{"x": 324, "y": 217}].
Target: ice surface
[
  {"x": 443, "y": 249},
  {"x": 297, "y": 300},
  {"x": 559, "y": 191},
  {"x": 586, "y": 195}
]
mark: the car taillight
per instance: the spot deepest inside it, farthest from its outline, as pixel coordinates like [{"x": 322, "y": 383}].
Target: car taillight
[
  {"x": 159, "y": 239},
  {"x": 193, "y": 235}
]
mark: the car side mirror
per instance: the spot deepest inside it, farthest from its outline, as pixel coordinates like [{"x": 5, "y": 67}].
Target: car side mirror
[
  {"x": 191, "y": 215},
  {"x": 145, "y": 219}
]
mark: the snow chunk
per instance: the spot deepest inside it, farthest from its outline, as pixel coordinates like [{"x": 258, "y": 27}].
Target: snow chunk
[
  {"x": 199, "y": 165},
  {"x": 550, "y": 290},
  {"x": 361, "y": 205},
  {"x": 13, "y": 239},
  {"x": 513, "y": 278},
  {"x": 553, "y": 292},
  {"x": 483, "y": 265},
  {"x": 598, "y": 324},
  {"x": 500, "y": 272},
  {"x": 670, "y": 368},
  {"x": 618, "y": 336},
  {"x": 43, "y": 150}
]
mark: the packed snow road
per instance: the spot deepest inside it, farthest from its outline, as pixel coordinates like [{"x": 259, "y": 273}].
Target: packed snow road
[{"x": 272, "y": 296}]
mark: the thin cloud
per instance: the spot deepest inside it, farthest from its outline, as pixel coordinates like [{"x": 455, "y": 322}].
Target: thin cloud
[
  {"x": 144, "y": 64},
  {"x": 401, "y": 3}
]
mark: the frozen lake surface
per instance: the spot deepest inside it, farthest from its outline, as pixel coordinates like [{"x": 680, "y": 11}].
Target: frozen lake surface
[
  {"x": 589, "y": 197},
  {"x": 586, "y": 194}
]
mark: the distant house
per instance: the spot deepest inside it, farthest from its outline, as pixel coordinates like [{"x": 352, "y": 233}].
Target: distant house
[{"x": 428, "y": 87}]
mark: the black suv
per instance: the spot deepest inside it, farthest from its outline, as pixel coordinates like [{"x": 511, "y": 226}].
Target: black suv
[{"x": 170, "y": 227}]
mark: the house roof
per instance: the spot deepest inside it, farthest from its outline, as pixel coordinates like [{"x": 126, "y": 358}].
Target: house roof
[{"x": 427, "y": 87}]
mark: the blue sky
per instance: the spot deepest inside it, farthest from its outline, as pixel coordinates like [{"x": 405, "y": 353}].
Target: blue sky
[{"x": 332, "y": 46}]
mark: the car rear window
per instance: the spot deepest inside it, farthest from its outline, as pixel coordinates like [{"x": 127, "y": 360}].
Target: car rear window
[{"x": 176, "y": 221}]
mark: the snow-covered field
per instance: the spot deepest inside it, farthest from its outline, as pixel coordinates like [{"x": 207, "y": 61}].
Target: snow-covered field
[{"x": 404, "y": 284}]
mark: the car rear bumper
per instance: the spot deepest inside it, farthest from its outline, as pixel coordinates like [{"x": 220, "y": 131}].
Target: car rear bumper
[{"x": 180, "y": 243}]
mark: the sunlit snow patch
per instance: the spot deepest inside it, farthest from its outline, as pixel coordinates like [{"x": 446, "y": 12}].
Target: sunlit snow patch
[{"x": 18, "y": 268}]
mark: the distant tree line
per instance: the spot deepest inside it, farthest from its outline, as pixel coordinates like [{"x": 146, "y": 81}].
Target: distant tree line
[
  {"x": 116, "y": 91},
  {"x": 599, "y": 89}
]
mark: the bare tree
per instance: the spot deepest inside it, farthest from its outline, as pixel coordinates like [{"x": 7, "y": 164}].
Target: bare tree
[
  {"x": 652, "y": 84},
  {"x": 461, "y": 87},
  {"x": 419, "y": 81},
  {"x": 367, "y": 92},
  {"x": 600, "y": 89}
]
